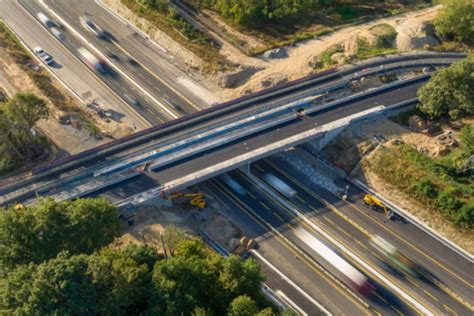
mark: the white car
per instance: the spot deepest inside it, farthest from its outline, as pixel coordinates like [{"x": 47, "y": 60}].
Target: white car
[
  {"x": 48, "y": 59},
  {"x": 91, "y": 27}
]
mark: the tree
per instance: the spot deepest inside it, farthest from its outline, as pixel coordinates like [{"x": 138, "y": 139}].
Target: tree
[
  {"x": 172, "y": 237},
  {"x": 93, "y": 223},
  {"x": 60, "y": 286},
  {"x": 122, "y": 284},
  {"x": 242, "y": 306},
  {"x": 17, "y": 142},
  {"x": 38, "y": 233},
  {"x": 456, "y": 20},
  {"x": 180, "y": 284},
  {"x": 238, "y": 277},
  {"x": 27, "y": 107},
  {"x": 450, "y": 91}
]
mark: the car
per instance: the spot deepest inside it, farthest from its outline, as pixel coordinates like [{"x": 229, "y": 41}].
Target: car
[
  {"x": 45, "y": 20},
  {"x": 91, "y": 27},
  {"x": 131, "y": 99},
  {"x": 48, "y": 59}
]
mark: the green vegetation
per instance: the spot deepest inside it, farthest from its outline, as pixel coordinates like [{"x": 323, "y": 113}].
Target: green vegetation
[
  {"x": 326, "y": 60},
  {"x": 165, "y": 17},
  {"x": 18, "y": 142},
  {"x": 456, "y": 21},
  {"x": 54, "y": 260},
  {"x": 444, "y": 185},
  {"x": 383, "y": 43},
  {"x": 450, "y": 91}
]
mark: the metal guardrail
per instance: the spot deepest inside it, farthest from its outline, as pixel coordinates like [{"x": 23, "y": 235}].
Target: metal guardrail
[
  {"x": 48, "y": 168},
  {"x": 415, "y": 221},
  {"x": 148, "y": 136}
]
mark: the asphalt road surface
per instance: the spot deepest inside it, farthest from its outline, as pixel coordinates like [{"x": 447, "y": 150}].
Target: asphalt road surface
[
  {"x": 447, "y": 285},
  {"x": 67, "y": 67}
]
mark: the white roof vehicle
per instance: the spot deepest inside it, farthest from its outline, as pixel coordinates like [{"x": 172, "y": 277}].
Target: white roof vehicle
[{"x": 48, "y": 59}]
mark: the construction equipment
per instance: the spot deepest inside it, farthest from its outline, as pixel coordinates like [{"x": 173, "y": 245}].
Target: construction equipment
[
  {"x": 374, "y": 202},
  {"x": 197, "y": 199},
  {"x": 19, "y": 207}
]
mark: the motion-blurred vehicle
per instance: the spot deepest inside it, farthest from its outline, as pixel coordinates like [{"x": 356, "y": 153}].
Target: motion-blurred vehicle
[
  {"x": 45, "y": 20},
  {"x": 342, "y": 269},
  {"x": 48, "y": 59},
  {"x": 56, "y": 32},
  {"x": 131, "y": 99},
  {"x": 92, "y": 61},
  {"x": 393, "y": 257},
  {"x": 279, "y": 185},
  {"x": 234, "y": 185},
  {"x": 91, "y": 27}
]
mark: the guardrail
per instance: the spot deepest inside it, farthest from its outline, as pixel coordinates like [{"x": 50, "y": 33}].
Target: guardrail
[
  {"x": 270, "y": 92},
  {"x": 169, "y": 127},
  {"x": 415, "y": 221},
  {"x": 192, "y": 151}
]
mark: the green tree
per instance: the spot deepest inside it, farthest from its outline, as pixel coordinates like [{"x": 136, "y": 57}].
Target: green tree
[
  {"x": 17, "y": 141},
  {"x": 456, "y": 21},
  {"x": 38, "y": 233},
  {"x": 122, "y": 284},
  {"x": 450, "y": 91},
  {"x": 60, "y": 286},
  {"x": 243, "y": 306},
  {"x": 26, "y": 107},
  {"x": 238, "y": 277},
  {"x": 172, "y": 237}
]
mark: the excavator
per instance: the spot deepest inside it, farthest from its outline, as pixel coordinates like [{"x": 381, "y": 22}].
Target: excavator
[
  {"x": 197, "y": 199},
  {"x": 375, "y": 203}
]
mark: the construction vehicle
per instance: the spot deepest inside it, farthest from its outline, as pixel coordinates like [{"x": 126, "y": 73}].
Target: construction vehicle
[
  {"x": 375, "y": 203},
  {"x": 197, "y": 199},
  {"x": 19, "y": 207},
  {"x": 393, "y": 257}
]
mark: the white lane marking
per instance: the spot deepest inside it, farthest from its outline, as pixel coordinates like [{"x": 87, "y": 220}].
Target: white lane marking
[
  {"x": 284, "y": 277},
  {"x": 71, "y": 29},
  {"x": 354, "y": 257},
  {"x": 290, "y": 302}
]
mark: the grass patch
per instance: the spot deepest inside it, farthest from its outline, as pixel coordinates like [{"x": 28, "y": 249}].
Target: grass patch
[
  {"x": 364, "y": 50},
  {"x": 431, "y": 182},
  {"x": 327, "y": 54}
]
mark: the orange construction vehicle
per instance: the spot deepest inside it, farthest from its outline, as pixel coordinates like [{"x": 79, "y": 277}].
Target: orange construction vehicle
[{"x": 197, "y": 199}]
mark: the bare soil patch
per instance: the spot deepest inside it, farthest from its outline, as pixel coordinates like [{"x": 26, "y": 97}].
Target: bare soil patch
[{"x": 150, "y": 222}]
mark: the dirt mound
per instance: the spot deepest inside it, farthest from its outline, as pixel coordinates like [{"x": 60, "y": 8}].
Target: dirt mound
[{"x": 415, "y": 35}]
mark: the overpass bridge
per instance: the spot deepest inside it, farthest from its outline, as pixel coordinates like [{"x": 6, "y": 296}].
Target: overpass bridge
[{"x": 201, "y": 145}]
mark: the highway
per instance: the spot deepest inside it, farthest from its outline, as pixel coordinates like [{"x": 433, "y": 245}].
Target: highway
[
  {"x": 294, "y": 265},
  {"x": 281, "y": 225},
  {"x": 155, "y": 64},
  {"x": 152, "y": 138},
  {"x": 448, "y": 289},
  {"x": 268, "y": 99},
  {"x": 121, "y": 77},
  {"x": 68, "y": 68}
]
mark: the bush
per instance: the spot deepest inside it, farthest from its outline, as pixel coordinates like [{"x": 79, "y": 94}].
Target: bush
[
  {"x": 456, "y": 21},
  {"x": 425, "y": 187}
]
